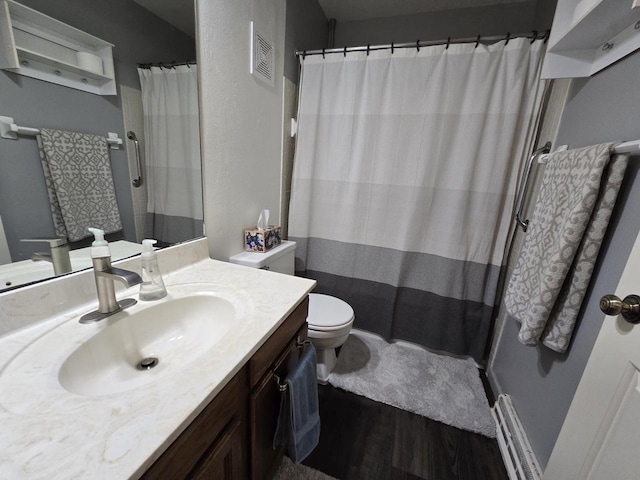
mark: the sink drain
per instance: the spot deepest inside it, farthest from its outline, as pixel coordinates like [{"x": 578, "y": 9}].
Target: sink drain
[{"x": 147, "y": 363}]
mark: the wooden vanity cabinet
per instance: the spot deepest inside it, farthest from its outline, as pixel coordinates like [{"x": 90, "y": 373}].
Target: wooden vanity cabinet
[
  {"x": 214, "y": 445},
  {"x": 279, "y": 354},
  {"x": 232, "y": 438}
]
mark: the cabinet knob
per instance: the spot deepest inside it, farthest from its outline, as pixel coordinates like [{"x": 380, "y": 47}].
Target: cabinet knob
[{"x": 629, "y": 307}]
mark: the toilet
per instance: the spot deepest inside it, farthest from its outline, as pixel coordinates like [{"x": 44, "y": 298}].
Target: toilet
[{"x": 330, "y": 319}]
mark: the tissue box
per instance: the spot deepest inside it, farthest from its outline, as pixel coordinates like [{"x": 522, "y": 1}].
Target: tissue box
[{"x": 256, "y": 240}]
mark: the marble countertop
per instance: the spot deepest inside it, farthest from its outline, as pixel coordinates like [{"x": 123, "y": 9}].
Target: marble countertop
[{"x": 47, "y": 432}]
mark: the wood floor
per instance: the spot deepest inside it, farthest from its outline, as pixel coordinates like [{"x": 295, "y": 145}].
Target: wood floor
[{"x": 366, "y": 440}]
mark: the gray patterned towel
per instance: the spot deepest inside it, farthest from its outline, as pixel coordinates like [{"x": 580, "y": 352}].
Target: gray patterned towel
[
  {"x": 578, "y": 191},
  {"x": 77, "y": 172}
]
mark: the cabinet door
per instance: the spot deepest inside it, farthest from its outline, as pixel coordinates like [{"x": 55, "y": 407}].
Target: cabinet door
[
  {"x": 225, "y": 461},
  {"x": 217, "y": 433},
  {"x": 265, "y": 407}
]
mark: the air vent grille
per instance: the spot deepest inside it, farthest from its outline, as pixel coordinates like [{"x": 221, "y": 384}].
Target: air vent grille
[{"x": 262, "y": 57}]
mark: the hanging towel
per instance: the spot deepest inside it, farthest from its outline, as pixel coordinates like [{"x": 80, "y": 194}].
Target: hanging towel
[
  {"x": 299, "y": 419},
  {"x": 79, "y": 183},
  {"x": 578, "y": 191}
]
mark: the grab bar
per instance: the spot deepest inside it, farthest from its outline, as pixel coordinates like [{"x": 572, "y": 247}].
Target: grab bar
[
  {"x": 132, "y": 136},
  {"x": 524, "y": 183}
]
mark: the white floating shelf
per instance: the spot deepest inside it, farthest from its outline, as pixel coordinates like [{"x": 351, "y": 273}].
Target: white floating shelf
[
  {"x": 589, "y": 35},
  {"x": 38, "y": 46}
]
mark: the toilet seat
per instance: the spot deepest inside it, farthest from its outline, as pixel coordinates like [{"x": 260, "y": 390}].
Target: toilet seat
[{"x": 327, "y": 313}]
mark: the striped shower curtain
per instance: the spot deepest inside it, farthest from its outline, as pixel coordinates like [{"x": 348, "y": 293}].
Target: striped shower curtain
[
  {"x": 172, "y": 153},
  {"x": 404, "y": 182}
]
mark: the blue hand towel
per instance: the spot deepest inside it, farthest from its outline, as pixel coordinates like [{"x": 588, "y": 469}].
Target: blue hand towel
[{"x": 299, "y": 420}]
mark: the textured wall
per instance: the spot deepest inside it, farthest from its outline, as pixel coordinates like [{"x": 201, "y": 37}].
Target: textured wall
[{"x": 241, "y": 120}]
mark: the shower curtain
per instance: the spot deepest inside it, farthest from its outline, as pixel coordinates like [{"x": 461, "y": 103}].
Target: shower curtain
[
  {"x": 172, "y": 153},
  {"x": 404, "y": 182}
]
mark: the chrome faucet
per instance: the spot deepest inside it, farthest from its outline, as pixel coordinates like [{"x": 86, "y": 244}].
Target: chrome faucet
[
  {"x": 58, "y": 254},
  {"x": 105, "y": 275}
]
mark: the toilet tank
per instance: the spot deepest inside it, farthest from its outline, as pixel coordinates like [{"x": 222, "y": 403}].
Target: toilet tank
[{"x": 280, "y": 259}]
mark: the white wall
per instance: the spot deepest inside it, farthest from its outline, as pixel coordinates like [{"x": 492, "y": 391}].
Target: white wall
[{"x": 241, "y": 119}]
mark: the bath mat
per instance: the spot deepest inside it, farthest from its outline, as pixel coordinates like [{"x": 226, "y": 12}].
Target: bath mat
[
  {"x": 442, "y": 388},
  {"x": 290, "y": 471}
]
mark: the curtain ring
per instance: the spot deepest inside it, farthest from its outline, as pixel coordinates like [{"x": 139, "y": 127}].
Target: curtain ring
[
  {"x": 477, "y": 41},
  {"x": 535, "y": 36},
  {"x": 448, "y": 43},
  {"x": 391, "y": 48},
  {"x": 323, "y": 53},
  {"x": 546, "y": 36},
  {"x": 368, "y": 49},
  {"x": 345, "y": 52},
  {"x": 418, "y": 44},
  {"x": 506, "y": 40},
  {"x": 304, "y": 54},
  {"x": 173, "y": 64}
]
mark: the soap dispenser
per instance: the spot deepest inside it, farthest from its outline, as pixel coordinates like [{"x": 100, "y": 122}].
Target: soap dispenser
[{"x": 152, "y": 287}]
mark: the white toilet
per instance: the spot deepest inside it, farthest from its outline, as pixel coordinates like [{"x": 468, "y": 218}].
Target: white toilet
[{"x": 330, "y": 319}]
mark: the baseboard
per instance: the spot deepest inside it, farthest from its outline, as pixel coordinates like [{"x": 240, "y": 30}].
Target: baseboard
[{"x": 519, "y": 459}]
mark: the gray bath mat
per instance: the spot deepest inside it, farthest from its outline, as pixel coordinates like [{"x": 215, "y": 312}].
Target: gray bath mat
[
  {"x": 442, "y": 388},
  {"x": 290, "y": 471}
]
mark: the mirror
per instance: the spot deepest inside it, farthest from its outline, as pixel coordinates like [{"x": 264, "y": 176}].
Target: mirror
[{"x": 139, "y": 36}]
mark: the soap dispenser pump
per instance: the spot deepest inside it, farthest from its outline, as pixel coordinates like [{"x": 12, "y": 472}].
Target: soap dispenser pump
[{"x": 152, "y": 286}]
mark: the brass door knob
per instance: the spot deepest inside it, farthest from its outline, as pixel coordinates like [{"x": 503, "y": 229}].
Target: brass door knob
[{"x": 629, "y": 308}]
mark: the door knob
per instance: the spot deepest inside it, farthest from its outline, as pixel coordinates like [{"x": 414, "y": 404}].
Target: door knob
[{"x": 629, "y": 308}]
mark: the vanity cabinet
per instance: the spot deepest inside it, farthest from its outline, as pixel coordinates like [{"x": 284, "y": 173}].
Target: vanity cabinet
[
  {"x": 214, "y": 444},
  {"x": 232, "y": 438},
  {"x": 272, "y": 362}
]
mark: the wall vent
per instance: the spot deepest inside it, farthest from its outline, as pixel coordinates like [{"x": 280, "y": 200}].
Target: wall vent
[
  {"x": 262, "y": 57},
  {"x": 519, "y": 459}
]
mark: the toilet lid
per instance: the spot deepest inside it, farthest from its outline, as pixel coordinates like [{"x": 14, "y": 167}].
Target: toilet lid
[{"x": 326, "y": 311}]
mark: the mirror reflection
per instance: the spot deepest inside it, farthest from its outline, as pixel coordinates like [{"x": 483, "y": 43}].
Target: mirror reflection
[{"x": 56, "y": 184}]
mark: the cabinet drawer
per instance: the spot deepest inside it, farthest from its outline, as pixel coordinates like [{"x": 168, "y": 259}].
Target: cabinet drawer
[{"x": 267, "y": 354}]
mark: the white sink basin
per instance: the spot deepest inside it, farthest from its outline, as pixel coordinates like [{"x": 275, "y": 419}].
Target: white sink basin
[
  {"x": 103, "y": 358},
  {"x": 169, "y": 335}
]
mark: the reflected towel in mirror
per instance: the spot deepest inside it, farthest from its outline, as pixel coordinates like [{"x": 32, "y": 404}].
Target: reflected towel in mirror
[{"x": 79, "y": 182}]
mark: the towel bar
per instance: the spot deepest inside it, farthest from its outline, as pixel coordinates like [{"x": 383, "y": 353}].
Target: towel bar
[
  {"x": 300, "y": 343},
  {"x": 281, "y": 386},
  {"x": 524, "y": 184},
  {"x": 8, "y": 129}
]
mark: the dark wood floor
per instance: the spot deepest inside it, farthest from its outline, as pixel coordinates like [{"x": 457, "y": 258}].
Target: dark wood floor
[{"x": 363, "y": 439}]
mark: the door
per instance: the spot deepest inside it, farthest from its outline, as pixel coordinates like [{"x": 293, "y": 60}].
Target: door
[{"x": 600, "y": 436}]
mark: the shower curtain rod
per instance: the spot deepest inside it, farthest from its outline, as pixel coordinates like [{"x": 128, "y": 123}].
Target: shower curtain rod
[
  {"x": 426, "y": 43},
  {"x": 172, "y": 64}
]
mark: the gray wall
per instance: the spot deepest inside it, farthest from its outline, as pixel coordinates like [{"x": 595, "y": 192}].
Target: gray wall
[
  {"x": 138, "y": 36},
  {"x": 306, "y": 29},
  {"x": 519, "y": 17},
  {"x": 541, "y": 382}
]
